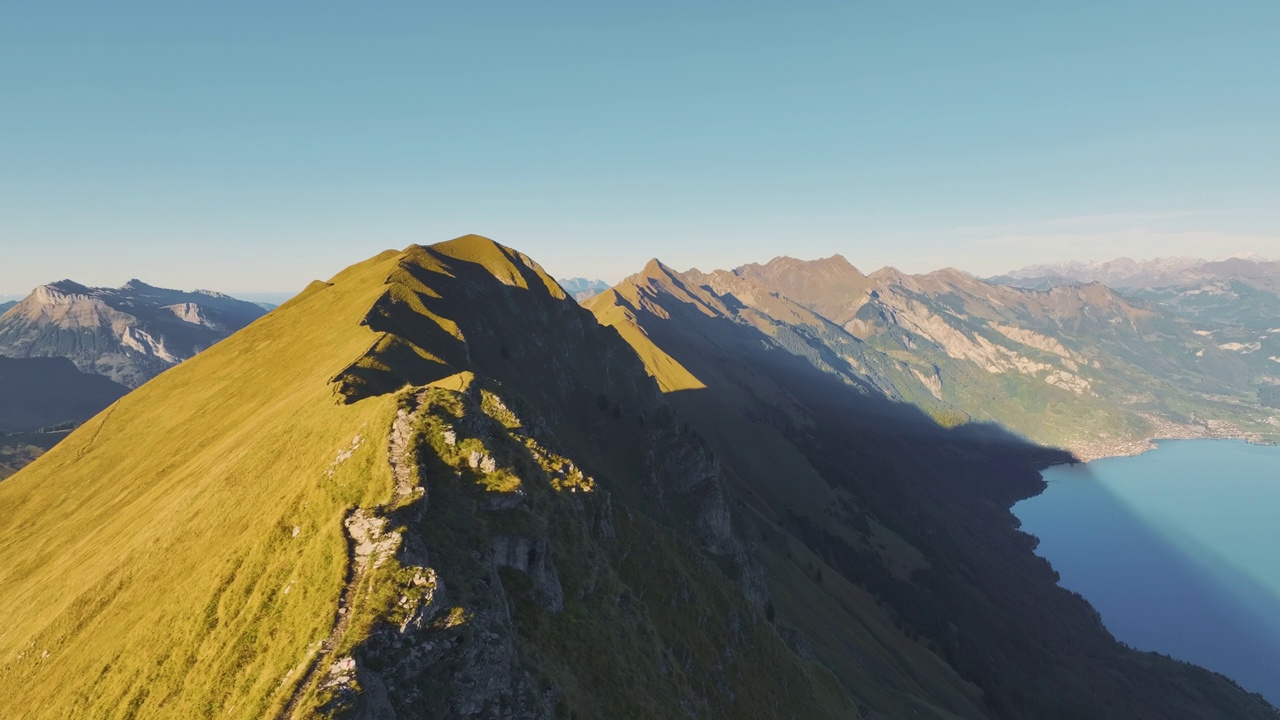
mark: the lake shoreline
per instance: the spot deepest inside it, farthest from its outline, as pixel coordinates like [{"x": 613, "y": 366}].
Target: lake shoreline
[{"x": 1101, "y": 449}]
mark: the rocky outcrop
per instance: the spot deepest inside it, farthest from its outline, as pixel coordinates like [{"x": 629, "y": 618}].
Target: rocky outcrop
[{"x": 510, "y": 518}]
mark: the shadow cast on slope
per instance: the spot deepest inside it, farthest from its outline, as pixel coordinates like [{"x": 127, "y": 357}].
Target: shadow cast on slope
[{"x": 982, "y": 599}]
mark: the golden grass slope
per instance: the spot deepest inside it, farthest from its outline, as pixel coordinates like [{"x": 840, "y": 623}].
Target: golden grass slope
[
  {"x": 617, "y": 308},
  {"x": 182, "y": 553}
]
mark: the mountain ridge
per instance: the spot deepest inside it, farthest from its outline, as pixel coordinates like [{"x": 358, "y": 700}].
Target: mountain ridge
[
  {"x": 334, "y": 457},
  {"x": 825, "y": 462},
  {"x": 1060, "y": 354}
]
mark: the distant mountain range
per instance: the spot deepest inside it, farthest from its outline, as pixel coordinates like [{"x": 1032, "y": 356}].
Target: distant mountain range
[
  {"x": 437, "y": 485},
  {"x": 129, "y": 334},
  {"x": 1234, "y": 304},
  {"x": 1125, "y": 274},
  {"x": 1077, "y": 366},
  {"x": 581, "y": 289}
]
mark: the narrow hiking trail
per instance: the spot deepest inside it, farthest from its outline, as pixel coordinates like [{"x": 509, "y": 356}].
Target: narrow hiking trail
[{"x": 369, "y": 545}]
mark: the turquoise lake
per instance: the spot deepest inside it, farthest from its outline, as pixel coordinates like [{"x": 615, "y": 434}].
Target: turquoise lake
[{"x": 1178, "y": 549}]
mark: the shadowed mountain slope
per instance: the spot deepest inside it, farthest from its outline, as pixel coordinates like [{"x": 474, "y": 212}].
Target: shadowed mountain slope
[
  {"x": 436, "y": 486},
  {"x": 37, "y": 392},
  {"x": 129, "y": 334},
  {"x": 914, "y": 516},
  {"x": 41, "y": 398}
]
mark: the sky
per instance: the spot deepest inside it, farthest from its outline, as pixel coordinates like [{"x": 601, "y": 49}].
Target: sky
[{"x": 253, "y": 147}]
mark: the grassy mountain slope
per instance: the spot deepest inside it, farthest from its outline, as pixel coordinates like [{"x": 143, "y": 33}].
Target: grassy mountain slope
[
  {"x": 913, "y": 516},
  {"x": 149, "y": 554},
  {"x": 1241, "y": 320},
  {"x": 433, "y": 485}
]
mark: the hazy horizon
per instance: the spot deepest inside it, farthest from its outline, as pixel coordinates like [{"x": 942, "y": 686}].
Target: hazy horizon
[{"x": 282, "y": 294}]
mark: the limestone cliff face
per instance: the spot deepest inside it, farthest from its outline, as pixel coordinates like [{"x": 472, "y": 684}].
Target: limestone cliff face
[{"x": 128, "y": 334}]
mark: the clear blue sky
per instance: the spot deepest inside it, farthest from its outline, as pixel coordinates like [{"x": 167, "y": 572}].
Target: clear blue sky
[{"x": 255, "y": 146}]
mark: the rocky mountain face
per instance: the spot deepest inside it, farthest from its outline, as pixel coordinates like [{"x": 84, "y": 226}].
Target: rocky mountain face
[
  {"x": 581, "y": 289},
  {"x": 1079, "y": 366},
  {"x": 1233, "y": 304},
  {"x": 832, "y": 287},
  {"x": 128, "y": 334}
]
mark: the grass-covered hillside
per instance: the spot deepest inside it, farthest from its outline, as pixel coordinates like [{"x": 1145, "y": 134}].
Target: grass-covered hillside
[
  {"x": 181, "y": 554},
  {"x": 434, "y": 485}
]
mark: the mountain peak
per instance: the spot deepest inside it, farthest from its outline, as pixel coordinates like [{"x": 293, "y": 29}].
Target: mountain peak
[
  {"x": 836, "y": 264},
  {"x": 509, "y": 266},
  {"x": 830, "y": 286},
  {"x": 656, "y": 269},
  {"x": 839, "y": 262},
  {"x": 470, "y": 244},
  {"x": 136, "y": 284}
]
